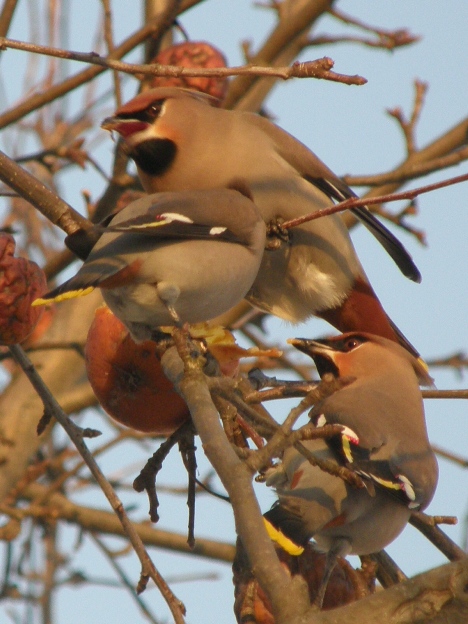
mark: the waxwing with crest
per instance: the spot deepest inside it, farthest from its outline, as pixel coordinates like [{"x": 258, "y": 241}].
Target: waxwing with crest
[
  {"x": 179, "y": 141},
  {"x": 171, "y": 258},
  {"x": 383, "y": 440}
]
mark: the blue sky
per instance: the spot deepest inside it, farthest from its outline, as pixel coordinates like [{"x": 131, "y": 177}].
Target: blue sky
[{"x": 348, "y": 128}]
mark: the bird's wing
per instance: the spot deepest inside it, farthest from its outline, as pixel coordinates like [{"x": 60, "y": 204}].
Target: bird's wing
[
  {"x": 385, "y": 474},
  {"x": 102, "y": 272},
  {"x": 358, "y": 455},
  {"x": 317, "y": 173},
  {"x": 174, "y": 226},
  {"x": 110, "y": 270}
]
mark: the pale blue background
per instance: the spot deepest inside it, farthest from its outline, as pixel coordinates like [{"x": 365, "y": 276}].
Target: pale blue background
[{"x": 348, "y": 128}]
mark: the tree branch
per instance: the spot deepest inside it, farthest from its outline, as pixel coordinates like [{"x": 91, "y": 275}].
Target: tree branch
[
  {"x": 355, "y": 202},
  {"x": 438, "y": 596},
  {"x": 148, "y": 568},
  {"x": 319, "y": 68},
  {"x": 46, "y": 201},
  {"x": 287, "y": 596}
]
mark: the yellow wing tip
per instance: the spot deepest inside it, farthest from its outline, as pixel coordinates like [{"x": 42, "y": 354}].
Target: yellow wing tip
[
  {"x": 279, "y": 538},
  {"x": 71, "y": 294},
  {"x": 39, "y": 302}
]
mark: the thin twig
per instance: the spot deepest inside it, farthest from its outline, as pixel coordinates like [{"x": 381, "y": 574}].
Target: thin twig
[
  {"x": 109, "y": 39},
  {"x": 158, "y": 26},
  {"x": 6, "y": 15},
  {"x": 457, "y": 459},
  {"x": 46, "y": 201},
  {"x": 148, "y": 568},
  {"x": 445, "y": 394},
  {"x": 408, "y": 126},
  {"x": 416, "y": 170},
  {"x": 320, "y": 68},
  {"x": 146, "y": 480},
  {"x": 388, "y": 39},
  {"x": 428, "y": 527},
  {"x": 356, "y": 202},
  {"x": 126, "y": 582}
]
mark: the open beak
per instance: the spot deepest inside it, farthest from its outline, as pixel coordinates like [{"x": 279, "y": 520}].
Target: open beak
[
  {"x": 320, "y": 352},
  {"x": 125, "y": 127}
]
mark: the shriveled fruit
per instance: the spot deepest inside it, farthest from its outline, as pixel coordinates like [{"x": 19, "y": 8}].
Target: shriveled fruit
[
  {"x": 21, "y": 281},
  {"x": 128, "y": 380},
  {"x": 193, "y": 54},
  {"x": 345, "y": 586}
]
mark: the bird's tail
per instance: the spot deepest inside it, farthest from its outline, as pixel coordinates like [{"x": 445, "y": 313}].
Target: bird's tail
[{"x": 285, "y": 529}]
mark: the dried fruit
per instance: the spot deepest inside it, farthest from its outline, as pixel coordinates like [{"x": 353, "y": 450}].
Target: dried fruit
[
  {"x": 346, "y": 584},
  {"x": 21, "y": 281},
  {"x": 128, "y": 380},
  {"x": 193, "y": 54}
]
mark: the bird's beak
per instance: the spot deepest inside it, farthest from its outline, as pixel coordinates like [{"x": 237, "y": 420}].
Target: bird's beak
[
  {"x": 311, "y": 347},
  {"x": 125, "y": 127},
  {"x": 320, "y": 352},
  {"x": 111, "y": 123}
]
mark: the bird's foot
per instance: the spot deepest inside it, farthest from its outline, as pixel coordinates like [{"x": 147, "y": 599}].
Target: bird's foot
[{"x": 276, "y": 234}]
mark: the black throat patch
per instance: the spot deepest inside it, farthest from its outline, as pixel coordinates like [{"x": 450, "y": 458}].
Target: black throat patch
[{"x": 154, "y": 156}]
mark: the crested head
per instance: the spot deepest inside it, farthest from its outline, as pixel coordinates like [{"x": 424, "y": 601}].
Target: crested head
[
  {"x": 144, "y": 100},
  {"x": 356, "y": 353},
  {"x": 146, "y": 108},
  {"x": 149, "y": 131}
]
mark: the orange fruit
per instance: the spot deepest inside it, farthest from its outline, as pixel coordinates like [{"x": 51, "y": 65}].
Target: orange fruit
[{"x": 128, "y": 379}]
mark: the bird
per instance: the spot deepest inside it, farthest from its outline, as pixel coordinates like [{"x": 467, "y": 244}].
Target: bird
[
  {"x": 180, "y": 141},
  {"x": 383, "y": 440},
  {"x": 172, "y": 258}
]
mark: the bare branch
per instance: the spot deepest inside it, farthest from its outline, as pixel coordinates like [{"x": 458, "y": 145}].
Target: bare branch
[
  {"x": 356, "y": 202},
  {"x": 148, "y": 568},
  {"x": 155, "y": 28},
  {"x": 412, "y": 172},
  {"x": 457, "y": 459},
  {"x": 89, "y": 519},
  {"x": 453, "y": 139},
  {"x": 285, "y": 594},
  {"x": 45, "y": 200},
  {"x": 296, "y": 19},
  {"x": 428, "y": 527},
  {"x": 8, "y": 9},
  {"x": 319, "y": 68},
  {"x": 408, "y": 126},
  {"x": 388, "y": 39}
]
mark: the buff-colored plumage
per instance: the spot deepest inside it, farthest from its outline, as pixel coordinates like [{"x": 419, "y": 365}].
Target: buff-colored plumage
[
  {"x": 180, "y": 142},
  {"x": 172, "y": 257},
  {"x": 384, "y": 440}
]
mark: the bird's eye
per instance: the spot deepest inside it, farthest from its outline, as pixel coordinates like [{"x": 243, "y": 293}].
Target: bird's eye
[
  {"x": 155, "y": 109},
  {"x": 352, "y": 343}
]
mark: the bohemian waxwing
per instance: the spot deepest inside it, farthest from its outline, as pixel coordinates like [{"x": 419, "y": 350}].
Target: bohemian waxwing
[
  {"x": 179, "y": 141},
  {"x": 384, "y": 440},
  {"x": 173, "y": 257}
]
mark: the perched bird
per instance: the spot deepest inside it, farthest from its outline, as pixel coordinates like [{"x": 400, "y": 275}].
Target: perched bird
[
  {"x": 383, "y": 439},
  {"x": 179, "y": 141},
  {"x": 173, "y": 257}
]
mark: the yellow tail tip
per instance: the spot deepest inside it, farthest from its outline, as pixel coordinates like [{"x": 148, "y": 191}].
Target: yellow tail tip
[
  {"x": 279, "y": 538},
  {"x": 423, "y": 364},
  {"x": 71, "y": 294}
]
